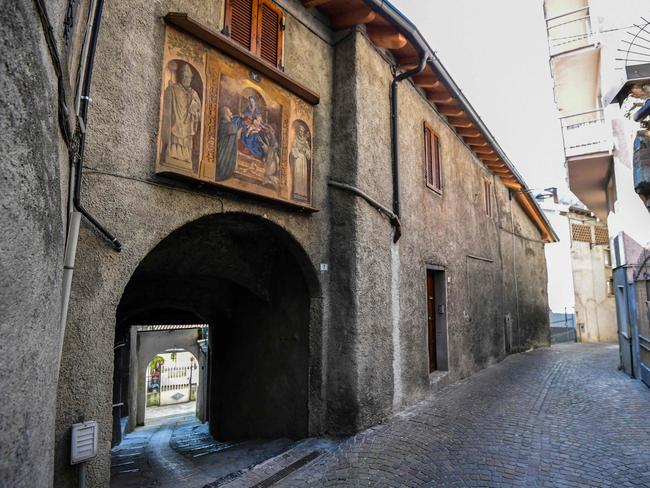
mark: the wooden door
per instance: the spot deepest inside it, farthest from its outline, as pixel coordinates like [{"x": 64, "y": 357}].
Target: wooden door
[{"x": 431, "y": 319}]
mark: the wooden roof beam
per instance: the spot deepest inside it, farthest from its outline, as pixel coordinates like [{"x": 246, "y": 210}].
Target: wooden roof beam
[
  {"x": 468, "y": 133},
  {"x": 495, "y": 165},
  {"x": 475, "y": 141},
  {"x": 460, "y": 122},
  {"x": 408, "y": 63},
  {"x": 441, "y": 98},
  {"x": 491, "y": 159},
  {"x": 314, "y": 3},
  {"x": 451, "y": 112},
  {"x": 386, "y": 37},
  {"x": 489, "y": 152},
  {"x": 427, "y": 81},
  {"x": 356, "y": 16}
]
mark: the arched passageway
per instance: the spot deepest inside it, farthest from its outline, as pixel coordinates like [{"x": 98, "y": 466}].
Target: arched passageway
[{"x": 252, "y": 283}]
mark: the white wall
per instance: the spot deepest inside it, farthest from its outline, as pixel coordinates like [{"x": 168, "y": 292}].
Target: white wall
[{"x": 561, "y": 295}]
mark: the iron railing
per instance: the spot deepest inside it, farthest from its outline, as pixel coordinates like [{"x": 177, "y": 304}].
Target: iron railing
[{"x": 569, "y": 31}]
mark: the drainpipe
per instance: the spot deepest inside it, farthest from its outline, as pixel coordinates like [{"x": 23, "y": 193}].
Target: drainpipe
[
  {"x": 77, "y": 158},
  {"x": 395, "y": 134}
]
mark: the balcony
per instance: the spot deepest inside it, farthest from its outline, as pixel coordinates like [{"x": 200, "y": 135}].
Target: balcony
[
  {"x": 586, "y": 133},
  {"x": 569, "y": 31}
]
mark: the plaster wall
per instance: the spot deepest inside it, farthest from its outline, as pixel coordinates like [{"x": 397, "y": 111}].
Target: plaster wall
[
  {"x": 558, "y": 257},
  {"x": 595, "y": 309},
  {"x": 120, "y": 189},
  {"x": 368, "y": 326},
  {"x": 34, "y": 161},
  {"x": 450, "y": 230}
]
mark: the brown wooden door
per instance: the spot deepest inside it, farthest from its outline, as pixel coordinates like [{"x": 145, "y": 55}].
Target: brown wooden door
[{"x": 431, "y": 319}]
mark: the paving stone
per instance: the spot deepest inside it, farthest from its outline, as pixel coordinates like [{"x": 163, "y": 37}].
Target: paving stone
[{"x": 558, "y": 417}]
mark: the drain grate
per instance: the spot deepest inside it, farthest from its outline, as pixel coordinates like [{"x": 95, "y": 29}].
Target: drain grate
[{"x": 284, "y": 472}]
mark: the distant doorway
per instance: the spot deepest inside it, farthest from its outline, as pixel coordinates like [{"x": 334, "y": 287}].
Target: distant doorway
[
  {"x": 437, "y": 319},
  {"x": 171, "y": 384}
]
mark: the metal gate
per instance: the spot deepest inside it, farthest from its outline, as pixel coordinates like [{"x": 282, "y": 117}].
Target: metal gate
[{"x": 169, "y": 385}]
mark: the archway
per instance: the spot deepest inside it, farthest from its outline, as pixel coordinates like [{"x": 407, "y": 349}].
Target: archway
[{"x": 252, "y": 284}]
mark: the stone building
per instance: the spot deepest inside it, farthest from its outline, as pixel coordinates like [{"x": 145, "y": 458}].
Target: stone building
[
  {"x": 580, "y": 282},
  {"x": 303, "y": 177},
  {"x": 593, "y": 281}
]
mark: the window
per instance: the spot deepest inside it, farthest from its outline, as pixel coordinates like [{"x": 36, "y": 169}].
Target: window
[
  {"x": 581, "y": 233},
  {"x": 487, "y": 197},
  {"x": 432, "y": 159},
  {"x": 610, "y": 287},
  {"x": 601, "y": 236},
  {"x": 257, "y": 25}
]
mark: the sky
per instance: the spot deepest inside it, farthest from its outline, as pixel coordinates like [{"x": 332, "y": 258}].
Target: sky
[{"x": 497, "y": 53}]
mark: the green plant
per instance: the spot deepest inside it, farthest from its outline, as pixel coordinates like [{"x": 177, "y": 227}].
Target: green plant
[{"x": 156, "y": 363}]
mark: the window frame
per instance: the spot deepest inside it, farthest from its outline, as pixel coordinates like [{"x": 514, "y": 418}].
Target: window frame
[
  {"x": 432, "y": 165},
  {"x": 256, "y": 29}
]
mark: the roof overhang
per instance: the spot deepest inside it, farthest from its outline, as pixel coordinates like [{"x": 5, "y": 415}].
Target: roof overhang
[
  {"x": 588, "y": 178},
  {"x": 389, "y": 29}
]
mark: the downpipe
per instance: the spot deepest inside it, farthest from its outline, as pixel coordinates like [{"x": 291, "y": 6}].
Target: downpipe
[
  {"x": 395, "y": 145},
  {"x": 77, "y": 158}
]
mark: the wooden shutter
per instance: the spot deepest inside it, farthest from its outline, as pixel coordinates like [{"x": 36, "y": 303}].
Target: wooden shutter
[
  {"x": 240, "y": 18},
  {"x": 437, "y": 170},
  {"x": 432, "y": 159},
  {"x": 270, "y": 29},
  {"x": 487, "y": 196},
  {"x": 428, "y": 160}
]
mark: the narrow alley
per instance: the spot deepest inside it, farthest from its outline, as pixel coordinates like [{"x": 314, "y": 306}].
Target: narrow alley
[{"x": 562, "y": 416}]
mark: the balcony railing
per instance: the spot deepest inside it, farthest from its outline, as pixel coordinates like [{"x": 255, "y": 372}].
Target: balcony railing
[
  {"x": 586, "y": 133},
  {"x": 569, "y": 31}
]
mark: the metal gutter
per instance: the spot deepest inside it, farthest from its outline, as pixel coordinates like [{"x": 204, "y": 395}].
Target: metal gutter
[{"x": 404, "y": 25}]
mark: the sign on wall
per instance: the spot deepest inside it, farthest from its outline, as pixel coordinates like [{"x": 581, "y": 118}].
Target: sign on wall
[{"x": 225, "y": 124}]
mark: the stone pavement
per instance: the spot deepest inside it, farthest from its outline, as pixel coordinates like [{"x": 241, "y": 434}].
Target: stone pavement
[{"x": 559, "y": 417}]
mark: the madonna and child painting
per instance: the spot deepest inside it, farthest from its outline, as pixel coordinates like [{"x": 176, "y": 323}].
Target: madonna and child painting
[{"x": 223, "y": 124}]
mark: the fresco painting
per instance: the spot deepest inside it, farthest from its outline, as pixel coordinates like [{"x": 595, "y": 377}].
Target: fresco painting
[{"x": 226, "y": 125}]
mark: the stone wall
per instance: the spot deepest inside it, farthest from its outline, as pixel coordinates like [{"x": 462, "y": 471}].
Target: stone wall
[
  {"x": 495, "y": 265},
  {"x": 34, "y": 161},
  {"x": 367, "y": 337},
  {"x": 120, "y": 189}
]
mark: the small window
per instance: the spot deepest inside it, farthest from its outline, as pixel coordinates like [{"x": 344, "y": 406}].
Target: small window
[
  {"x": 432, "y": 159},
  {"x": 610, "y": 287},
  {"x": 487, "y": 197},
  {"x": 257, "y": 25}
]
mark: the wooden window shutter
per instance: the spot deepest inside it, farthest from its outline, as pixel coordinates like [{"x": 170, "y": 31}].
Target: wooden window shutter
[
  {"x": 271, "y": 26},
  {"x": 240, "y": 19},
  {"x": 437, "y": 170},
  {"x": 432, "y": 159},
  {"x": 428, "y": 159},
  {"x": 487, "y": 187}
]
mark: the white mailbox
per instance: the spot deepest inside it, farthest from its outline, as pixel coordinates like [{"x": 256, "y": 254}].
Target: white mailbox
[{"x": 84, "y": 442}]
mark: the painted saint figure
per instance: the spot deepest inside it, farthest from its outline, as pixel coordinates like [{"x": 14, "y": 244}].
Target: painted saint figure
[
  {"x": 300, "y": 157},
  {"x": 227, "y": 137},
  {"x": 181, "y": 115}
]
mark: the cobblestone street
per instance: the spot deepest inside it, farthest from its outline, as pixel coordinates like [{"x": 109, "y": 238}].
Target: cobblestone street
[{"x": 559, "y": 417}]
